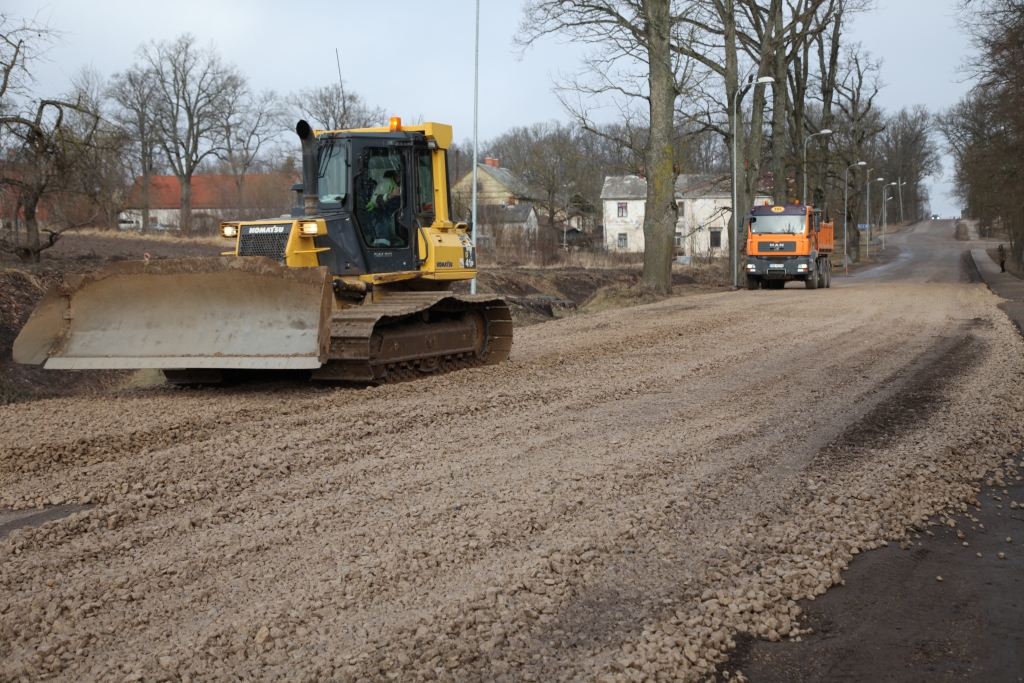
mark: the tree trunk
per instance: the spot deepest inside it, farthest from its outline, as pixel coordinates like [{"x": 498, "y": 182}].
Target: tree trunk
[
  {"x": 732, "y": 86},
  {"x": 31, "y": 255},
  {"x": 660, "y": 216},
  {"x": 780, "y": 91},
  {"x": 185, "y": 211}
]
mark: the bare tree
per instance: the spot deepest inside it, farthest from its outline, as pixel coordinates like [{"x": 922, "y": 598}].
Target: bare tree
[
  {"x": 546, "y": 157},
  {"x": 249, "y": 123},
  {"x": 633, "y": 59},
  {"x": 985, "y": 131},
  {"x": 335, "y": 108},
  {"x": 192, "y": 84},
  {"x": 135, "y": 93},
  {"x": 43, "y": 150}
]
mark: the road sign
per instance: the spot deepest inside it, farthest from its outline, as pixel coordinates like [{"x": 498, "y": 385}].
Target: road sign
[{"x": 862, "y": 226}]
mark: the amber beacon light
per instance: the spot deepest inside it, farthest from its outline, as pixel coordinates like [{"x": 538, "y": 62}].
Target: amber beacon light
[{"x": 395, "y": 124}]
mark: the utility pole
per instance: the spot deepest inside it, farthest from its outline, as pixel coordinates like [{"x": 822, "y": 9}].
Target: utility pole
[
  {"x": 885, "y": 211},
  {"x": 846, "y": 214},
  {"x": 735, "y": 244},
  {"x": 867, "y": 212},
  {"x": 476, "y": 139},
  {"x": 876, "y": 180},
  {"x": 827, "y": 131},
  {"x": 900, "y": 181}
]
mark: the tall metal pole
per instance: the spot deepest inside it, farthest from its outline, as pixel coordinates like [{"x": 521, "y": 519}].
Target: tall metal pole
[
  {"x": 735, "y": 199},
  {"x": 867, "y": 212},
  {"x": 900, "y": 181},
  {"x": 846, "y": 215},
  {"x": 846, "y": 221},
  {"x": 885, "y": 215},
  {"x": 476, "y": 140},
  {"x": 735, "y": 162},
  {"x": 806, "y": 140}
]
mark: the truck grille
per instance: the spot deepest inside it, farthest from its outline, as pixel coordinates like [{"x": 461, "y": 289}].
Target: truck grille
[
  {"x": 272, "y": 246},
  {"x": 768, "y": 247}
]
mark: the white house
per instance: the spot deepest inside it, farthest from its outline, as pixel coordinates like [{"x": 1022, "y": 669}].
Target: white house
[{"x": 702, "y": 222}]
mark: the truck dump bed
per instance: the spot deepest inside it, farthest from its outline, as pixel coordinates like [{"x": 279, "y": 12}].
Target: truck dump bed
[{"x": 826, "y": 238}]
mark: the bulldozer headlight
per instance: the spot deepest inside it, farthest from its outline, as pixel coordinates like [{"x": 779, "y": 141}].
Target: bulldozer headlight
[
  {"x": 309, "y": 229},
  {"x": 228, "y": 230}
]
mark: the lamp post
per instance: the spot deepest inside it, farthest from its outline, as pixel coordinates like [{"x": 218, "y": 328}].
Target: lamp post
[
  {"x": 827, "y": 131},
  {"x": 476, "y": 139},
  {"x": 885, "y": 211},
  {"x": 764, "y": 80},
  {"x": 868, "y": 183},
  {"x": 901, "y": 184},
  {"x": 846, "y": 213}
]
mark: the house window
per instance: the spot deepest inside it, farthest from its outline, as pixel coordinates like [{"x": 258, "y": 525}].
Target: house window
[
  {"x": 716, "y": 239},
  {"x": 511, "y": 201},
  {"x": 679, "y": 240},
  {"x": 623, "y": 210},
  {"x": 479, "y": 187},
  {"x": 623, "y": 238}
]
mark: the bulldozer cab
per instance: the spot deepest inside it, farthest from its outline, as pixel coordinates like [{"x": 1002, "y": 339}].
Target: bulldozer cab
[{"x": 376, "y": 191}]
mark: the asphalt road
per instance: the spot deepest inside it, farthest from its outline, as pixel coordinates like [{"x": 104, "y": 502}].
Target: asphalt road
[{"x": 927, "y": 253}]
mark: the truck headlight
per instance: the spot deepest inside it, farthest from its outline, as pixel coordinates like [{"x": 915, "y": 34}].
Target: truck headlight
[
  {"x": 751, "y": 266},
  {"x": 309, "y": 229},
  {"x": 802, "y": 266},
  {"x": 228, "y": 230}
]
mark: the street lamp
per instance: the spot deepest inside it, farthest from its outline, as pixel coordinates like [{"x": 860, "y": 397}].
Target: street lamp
[
  {"x": 476, "y": 139},
  {"x": 902, "y": 183},
  {"x": 827, "y": 131},
  {"x": 764, "y": 80},
  {"x": 868, "y": 210},
  {"x": 846, "y": 228},
  {"x": 885, "y": 212}
]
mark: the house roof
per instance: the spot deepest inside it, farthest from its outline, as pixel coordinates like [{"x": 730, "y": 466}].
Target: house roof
[
  {"x": 208, "y": 191},
  {"x": 687, "y": 186},
  {"x": 510, "y": 180},
  {"x": 624, "y": 187},
  {"x": 508, "y": 215}
]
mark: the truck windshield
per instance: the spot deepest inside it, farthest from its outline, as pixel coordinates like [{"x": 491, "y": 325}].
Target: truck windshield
[
  {"x": 778, "y": 225},
  {"x": 333, "y": 172}
]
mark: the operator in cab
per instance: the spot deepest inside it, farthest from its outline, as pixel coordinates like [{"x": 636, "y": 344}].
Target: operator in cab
[{"x": 385, "y": 201}]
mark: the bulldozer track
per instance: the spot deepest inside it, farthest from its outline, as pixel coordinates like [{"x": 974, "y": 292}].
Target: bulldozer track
[{"x": 403, "y": 335}]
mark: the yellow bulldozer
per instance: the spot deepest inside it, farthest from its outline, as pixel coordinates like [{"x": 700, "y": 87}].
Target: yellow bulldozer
[{"x": 353, "y": 285}]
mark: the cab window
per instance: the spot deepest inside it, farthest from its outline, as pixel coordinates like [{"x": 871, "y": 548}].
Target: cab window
[
  {"x": 425, "y": 178},
  {"x": 381, "y": 195}
]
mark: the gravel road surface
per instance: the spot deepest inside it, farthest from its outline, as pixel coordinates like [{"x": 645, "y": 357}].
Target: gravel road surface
[{"x": 619, "y": 501}]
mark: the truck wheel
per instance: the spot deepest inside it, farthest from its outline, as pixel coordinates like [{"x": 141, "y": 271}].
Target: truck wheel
[
  {"x": 753, "y": 282},
  {"x": 812, "y": 280}
]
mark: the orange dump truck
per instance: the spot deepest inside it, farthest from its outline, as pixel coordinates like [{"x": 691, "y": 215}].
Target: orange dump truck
[{"x": 788, "y": 242}]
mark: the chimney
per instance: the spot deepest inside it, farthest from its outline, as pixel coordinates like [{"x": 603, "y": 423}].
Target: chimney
[{"x": 492, "y": 162}]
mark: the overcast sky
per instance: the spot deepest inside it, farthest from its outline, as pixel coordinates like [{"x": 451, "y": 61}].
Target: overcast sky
[{"x": 416, "y": 58}]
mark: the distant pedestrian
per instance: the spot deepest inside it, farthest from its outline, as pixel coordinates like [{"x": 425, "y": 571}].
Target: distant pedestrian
[{"x": 1002, "y": 258}]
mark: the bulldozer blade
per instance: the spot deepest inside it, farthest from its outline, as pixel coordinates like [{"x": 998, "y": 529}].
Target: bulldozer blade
[{"x": 244, "y": 313}]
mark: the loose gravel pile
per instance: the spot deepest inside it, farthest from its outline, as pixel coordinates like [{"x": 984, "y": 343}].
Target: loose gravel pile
[{"x": 616, "y": 503}]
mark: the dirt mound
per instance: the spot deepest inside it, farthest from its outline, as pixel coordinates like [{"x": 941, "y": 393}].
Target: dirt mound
[
  {"x": 962, "y": 233},
  {"x": 620, "y": 296}
]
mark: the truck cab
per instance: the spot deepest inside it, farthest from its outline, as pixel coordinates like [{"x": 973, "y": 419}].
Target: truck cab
[{"x": 788, "y": 242}]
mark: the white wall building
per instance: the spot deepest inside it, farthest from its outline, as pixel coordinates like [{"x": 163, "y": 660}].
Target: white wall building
[{"x": 702, "y": 224}]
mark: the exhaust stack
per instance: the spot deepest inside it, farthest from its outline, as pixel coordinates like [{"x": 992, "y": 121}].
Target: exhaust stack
[{"x": 310, "y": 172}]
